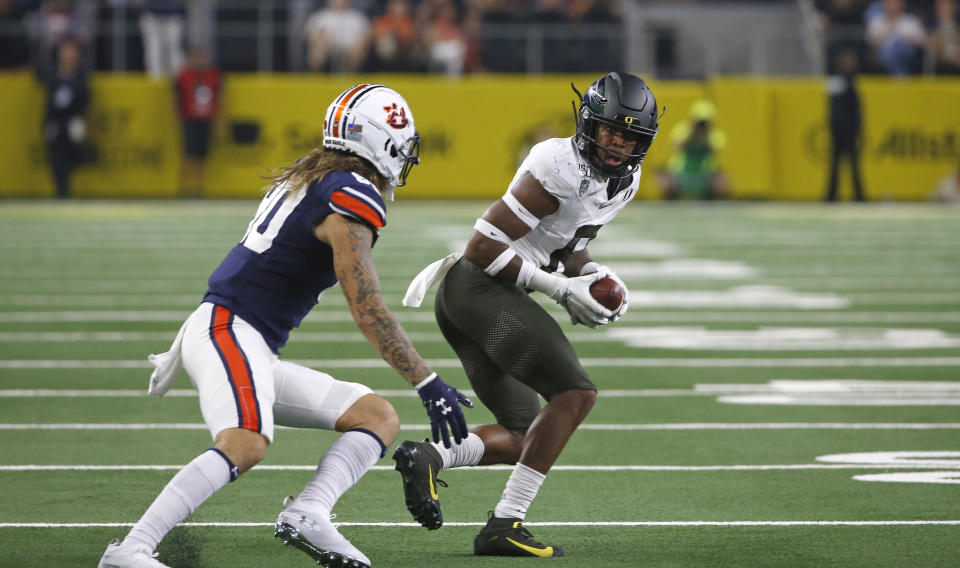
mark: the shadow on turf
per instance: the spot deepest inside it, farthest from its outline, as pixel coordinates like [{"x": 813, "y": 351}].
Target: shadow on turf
[{"x": 181, "y": 548}]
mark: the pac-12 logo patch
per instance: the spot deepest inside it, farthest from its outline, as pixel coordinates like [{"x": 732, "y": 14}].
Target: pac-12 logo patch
[{"x": 396, "y": 116}]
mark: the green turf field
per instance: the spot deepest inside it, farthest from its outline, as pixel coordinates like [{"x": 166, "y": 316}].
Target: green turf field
[{"x": 783, "y": 392}]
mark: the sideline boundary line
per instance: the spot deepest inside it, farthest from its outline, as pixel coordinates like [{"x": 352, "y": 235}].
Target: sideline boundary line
[
  {"x": 418, "y": 427},
  {"x": 534, "y": 524},
  {"x": 590, "y": 468}
]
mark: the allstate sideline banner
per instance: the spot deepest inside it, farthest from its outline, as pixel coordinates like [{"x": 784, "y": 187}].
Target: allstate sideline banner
[{"x": 476, "y": 130}]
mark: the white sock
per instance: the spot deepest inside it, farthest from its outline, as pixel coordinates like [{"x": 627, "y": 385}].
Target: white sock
[
  {"x": 521, "y": 489},
  {"x": 341, "y": 466},
  {"x": 468, "y": 452},
  {"x": 190, "y": 487}
]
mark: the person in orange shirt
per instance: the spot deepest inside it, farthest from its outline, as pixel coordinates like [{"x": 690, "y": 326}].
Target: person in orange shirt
[{"x": 394, "y": 38}]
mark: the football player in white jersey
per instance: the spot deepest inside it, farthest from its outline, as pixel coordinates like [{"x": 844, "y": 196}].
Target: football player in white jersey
[
  {"x": 313, "y": 229},
  {"x": 512, "y": 350}
]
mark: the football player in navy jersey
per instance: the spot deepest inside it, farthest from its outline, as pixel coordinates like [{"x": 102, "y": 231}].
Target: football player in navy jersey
[
  {"x": 512, "y": 350},
  {"x": 313, "y": 229}
]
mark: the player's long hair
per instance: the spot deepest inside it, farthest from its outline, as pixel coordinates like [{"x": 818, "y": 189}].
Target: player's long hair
[{"x": 322, "y": 161}]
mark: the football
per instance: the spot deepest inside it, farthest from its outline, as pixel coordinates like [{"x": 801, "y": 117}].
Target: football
[{"x": 607, "y": 292}]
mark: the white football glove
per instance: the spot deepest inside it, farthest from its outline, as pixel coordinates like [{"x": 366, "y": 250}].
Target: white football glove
[
  {"x": 574, "y": 295},
  {"x": 593, "y": 267}
]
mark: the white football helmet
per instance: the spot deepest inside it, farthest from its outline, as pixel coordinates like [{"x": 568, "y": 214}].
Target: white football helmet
[{"x": 375, "y": 123}]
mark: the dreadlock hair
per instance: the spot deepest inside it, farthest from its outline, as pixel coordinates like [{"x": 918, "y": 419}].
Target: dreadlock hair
[{"x": 320, "y": 162}]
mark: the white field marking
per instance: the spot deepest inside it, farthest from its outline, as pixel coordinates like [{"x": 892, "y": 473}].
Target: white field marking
[
  {"x": 783, "y": 338},
  {"x": 683, "y": 426},
  {"x": 688, "y": 268},
  {"x": 480, "y": 469},
  {"x": 833, "y": 400},
  {"x": 688, "y": 338},
  {"x": 341, "y": 315},
  {"x": 913, "y": 477},
  {"x": 623, "y": 362},
  {"x": 919, "y": 298},
  {"x": 198, "y": 284},
  {"x": 836, "y": 392},
  {"x": 532, "y": 524},
  {"x": 388, "y": 393},
  {"x": 904, "y": 282},
  {"x": 758, "y": 296},
  {"x": 910, "y": 390},
  {"x": 927, "y": 459},
  {"x": 738, "y": 297},
  {"x": 892, "y": 460}
]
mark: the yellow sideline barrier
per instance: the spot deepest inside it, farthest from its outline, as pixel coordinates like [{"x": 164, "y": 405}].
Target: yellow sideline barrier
[{"x": 476, "y": 130}]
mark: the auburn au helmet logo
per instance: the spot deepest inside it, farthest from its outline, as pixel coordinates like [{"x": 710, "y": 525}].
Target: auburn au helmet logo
[{"x": 396, "y": 116}]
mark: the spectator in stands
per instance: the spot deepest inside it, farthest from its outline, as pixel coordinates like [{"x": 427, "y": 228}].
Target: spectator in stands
[
  {"x": 556, "y": 47},
  {"x": 845, "y": 124},
  {"x": 13, "y": 42},
  {"x": 394, "y": 38},
  {"x": 944, "y": 43},
  {"x": 162, "y": 24},
  {"x": 65, "y": 123},
  {"x": 896, "y": 38},
  {"x": 597, "y": 50},
  {"x": 843, "y": 28},
  {"x": 338, "y": 37},
  {"x": 198, "y": 100},
  {"x": 445, "y": 41},
  {"x": 53, "y": 23},
  {"x": 499, "y": 52},
  {"x": 692, "y": 172}
]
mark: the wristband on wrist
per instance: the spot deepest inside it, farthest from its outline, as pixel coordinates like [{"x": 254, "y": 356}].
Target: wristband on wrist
[{"x": 424, "y": 382}]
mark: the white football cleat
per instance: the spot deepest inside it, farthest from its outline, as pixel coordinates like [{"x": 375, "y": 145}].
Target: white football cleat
[
  {"x": 317, "y": 537},
  {"x": 129, "y": 555}
]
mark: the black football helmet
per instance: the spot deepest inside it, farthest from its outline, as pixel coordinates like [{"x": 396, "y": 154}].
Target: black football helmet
[{"x": 622, "y": 101}]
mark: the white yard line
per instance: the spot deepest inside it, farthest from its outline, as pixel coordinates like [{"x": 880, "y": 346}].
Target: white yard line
[
  {"x": 532, "y": 524},
  {"x": 599, "y": 427},
  {"x": 339, "y": 315},
  {"x": 629, "y": 362},
  {"x": 940, "y": 389},
  {"x": 588, "y": 468}
]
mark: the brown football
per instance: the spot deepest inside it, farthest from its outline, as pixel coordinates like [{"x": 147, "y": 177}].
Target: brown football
[{"x": 607, "y": 292}]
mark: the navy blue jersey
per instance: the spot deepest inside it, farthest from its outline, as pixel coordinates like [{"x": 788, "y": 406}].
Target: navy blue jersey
[{"x": 275, "y": 275}]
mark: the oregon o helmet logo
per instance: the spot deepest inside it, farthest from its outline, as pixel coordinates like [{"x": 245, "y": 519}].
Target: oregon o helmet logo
[
  {"x": 396, "y": 116},
  {"x": 628, "y": 120}
]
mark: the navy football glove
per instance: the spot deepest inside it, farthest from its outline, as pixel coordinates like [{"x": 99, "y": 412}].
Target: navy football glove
[{"x": 443, "y": 407}]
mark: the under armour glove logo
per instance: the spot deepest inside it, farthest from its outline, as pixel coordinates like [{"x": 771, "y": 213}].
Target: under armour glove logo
[{"x": 443, "y": 408}]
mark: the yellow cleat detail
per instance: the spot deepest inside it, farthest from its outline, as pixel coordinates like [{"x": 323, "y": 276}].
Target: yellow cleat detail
[
  {"x": 433, "y": 490},
  {"x": 541, "y": 552}
]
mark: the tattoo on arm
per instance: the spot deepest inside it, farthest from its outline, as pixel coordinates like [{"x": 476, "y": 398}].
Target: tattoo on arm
[{"x": 358, "y": 278}]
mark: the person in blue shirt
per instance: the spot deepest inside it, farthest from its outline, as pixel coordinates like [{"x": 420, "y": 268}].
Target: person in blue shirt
[{"x": 313, "y": 229}]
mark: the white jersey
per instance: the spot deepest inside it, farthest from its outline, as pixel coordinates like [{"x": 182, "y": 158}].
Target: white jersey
[{"x": 584, "y": 202}]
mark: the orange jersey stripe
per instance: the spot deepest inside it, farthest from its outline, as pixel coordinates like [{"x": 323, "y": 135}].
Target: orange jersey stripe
[
  {"x": 357, "y": 207},
  {"x": 236, "y": 369},
  {"x": 343, "y": 105}
]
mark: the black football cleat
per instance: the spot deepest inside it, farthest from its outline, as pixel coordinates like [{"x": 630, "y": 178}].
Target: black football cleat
[
  {"x": 418, "y": 464},
  {"x": 508, "y": 537}
]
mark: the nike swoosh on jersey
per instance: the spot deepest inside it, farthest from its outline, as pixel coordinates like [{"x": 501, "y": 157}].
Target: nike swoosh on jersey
[{"x": 607, "y": 204}]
